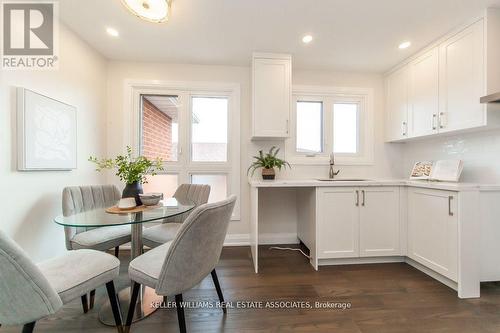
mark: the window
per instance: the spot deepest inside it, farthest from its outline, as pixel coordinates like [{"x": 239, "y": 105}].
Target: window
[
  {"x": 326, "y": 120},
  {"x": 345, "y": 128},
  {"x": 309, "y": 127},
  {"x": 209, "y": 129},
  {"x": 160, "y": 127},
  {"x": 218, "y": 185},
  {"x": 191, "y": 129}
]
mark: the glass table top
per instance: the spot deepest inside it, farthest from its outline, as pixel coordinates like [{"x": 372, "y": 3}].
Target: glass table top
[{"x": 100, "y": 218}]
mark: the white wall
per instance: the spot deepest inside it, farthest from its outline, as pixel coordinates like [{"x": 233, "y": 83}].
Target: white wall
[
  {"x": 480, "y": 152},
  {"x": 30, "y": 200},
  {"x": 388, "y": 159}
]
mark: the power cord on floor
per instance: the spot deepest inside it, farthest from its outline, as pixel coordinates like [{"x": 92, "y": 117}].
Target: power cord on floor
[{"x": 290, "y": 249}]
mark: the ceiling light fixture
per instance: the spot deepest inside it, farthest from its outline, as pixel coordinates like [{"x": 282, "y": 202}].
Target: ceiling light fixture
[
  {"x": 156, "y": 11},
  {"x": 307, "y": 39},
  {"x": 404, "y": 45},
  {"x": 112, "y": 32}
]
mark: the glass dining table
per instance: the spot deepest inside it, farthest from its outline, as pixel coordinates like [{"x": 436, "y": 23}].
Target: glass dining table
[{"x": 99, "y": 217}]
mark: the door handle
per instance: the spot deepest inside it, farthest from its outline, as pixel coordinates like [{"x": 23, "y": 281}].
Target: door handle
[
  {"x": 404, "y": 128},
  {"x": 357, "y": 198},
  {"x": 450, "y": 198},
  {"x": 363, "y": 195},
  {"x": 434, "y": 118},
  {"x": 442, "y": 120}
]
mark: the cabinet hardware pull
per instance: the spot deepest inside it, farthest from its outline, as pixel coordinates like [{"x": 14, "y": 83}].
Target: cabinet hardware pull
[
  {"x": 449, "y": 205},
  {"x": 357, "y": 198},
  {"x": 363, "y": 193},
  {"x": 404, "y": 128},
  {"x": 287, "y": 126},
  {"x": 442, "y": 123},
  {"x": 434, "y": 118}
]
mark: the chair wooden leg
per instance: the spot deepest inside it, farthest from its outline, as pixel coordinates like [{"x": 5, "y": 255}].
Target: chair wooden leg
[
  {"x": 219, "y": 290},
  {"x": 92, "y": 299},
  {"x": 115, "y": 306},
  {"x": 180, "y": 313},
  {"x": 117, "y": 251},
  {"x": 85, "y": 304},
  {"x": 133, "y": 302},
  {"x": 28, "y": 328}
]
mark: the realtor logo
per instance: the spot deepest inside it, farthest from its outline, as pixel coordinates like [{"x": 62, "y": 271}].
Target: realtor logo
[{"x": 30, "y": 31}]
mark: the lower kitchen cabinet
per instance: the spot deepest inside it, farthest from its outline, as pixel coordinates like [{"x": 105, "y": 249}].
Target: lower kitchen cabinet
[
  {"x": 338, "y": 222},
  {"x": 433, "y": 230},
  {"x": 358, "y": 222},
  {"x": 379, "y": 223}
]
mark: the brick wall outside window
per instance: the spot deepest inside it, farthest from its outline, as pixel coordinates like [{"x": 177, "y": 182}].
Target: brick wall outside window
[{"x": 156, "y": 132}]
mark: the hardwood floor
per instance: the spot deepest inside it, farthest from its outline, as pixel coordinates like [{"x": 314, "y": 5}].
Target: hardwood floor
[{"x": 384, "y": 298}]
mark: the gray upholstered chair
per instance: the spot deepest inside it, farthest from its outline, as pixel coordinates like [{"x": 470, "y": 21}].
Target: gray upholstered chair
[
  {"x": 29, "y": 292},
  {"x": 182, "y": 263},
  {"x": 165, "y": 232},
  {"x": 76, "y": 199}
]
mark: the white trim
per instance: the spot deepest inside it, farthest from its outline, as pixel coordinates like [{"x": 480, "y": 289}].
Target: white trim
[
  {"x": 329, "y": 96},
  {"x": 264, "y": 239},
  {"x": 185, "y": 90},
  {"x": 237, "y": 240}
]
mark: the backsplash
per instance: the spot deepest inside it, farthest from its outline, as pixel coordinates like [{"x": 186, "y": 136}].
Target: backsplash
[{"x": 480, "y": 152}]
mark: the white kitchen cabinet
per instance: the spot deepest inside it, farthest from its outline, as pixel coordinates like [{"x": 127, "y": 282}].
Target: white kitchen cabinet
[
  {"x": 379, "y": 223},
  {"x": 271, "y": 95},
  {"x": 338, "y": 222},
  {"x": 423, "y": 111},
  {"x": 433, "y": 230},
  {"x": 397, "y": 104},
  {"x": 462, "y": 80},
  {"x": 358, "y": 222}
]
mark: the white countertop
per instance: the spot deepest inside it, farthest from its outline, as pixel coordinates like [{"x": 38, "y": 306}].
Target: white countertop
[{"x": 375, "y": 182}]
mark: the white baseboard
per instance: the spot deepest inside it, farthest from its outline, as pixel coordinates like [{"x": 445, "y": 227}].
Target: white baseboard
[
  {"x": 444, "y": 280},
  {"x": 278, "y": 238},
  {"x": 237, "y": 240},
  {"x": 264, "y": 239},
  {"x": 357, "y": 261},
  {"x": 244, "y": 239}
]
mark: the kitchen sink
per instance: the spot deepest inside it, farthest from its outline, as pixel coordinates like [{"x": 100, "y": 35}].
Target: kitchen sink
[{"x": 342, "y": 180}]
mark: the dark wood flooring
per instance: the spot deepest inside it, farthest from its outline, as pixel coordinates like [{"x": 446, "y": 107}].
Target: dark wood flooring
[{"x": 384, "y": 298}]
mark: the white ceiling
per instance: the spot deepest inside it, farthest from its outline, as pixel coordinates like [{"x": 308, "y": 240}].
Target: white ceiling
[{"x": 350, "y": 35}]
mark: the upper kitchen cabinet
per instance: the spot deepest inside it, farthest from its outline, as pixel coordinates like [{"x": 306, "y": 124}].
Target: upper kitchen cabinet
[
  {"x": 397, "y": 104},
  {"x": 271, "y": 95},
  {"x": 446, "y": 81},
  {"x": 423, "y": 105},
  {"x": 462, "y": 80}
]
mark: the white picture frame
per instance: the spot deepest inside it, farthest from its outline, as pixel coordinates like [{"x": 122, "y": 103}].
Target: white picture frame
[{"x": 47, "y": 132}]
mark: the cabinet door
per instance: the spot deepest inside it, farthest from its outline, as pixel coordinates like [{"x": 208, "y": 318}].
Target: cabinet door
[
  {"x": 462, "y": 80},
  {"x": 433, "y": 230},
  {"x": 271, "y": 97},
  {"x": 379, "y": 222},
  {"x": 338, "y": 227},
  {"x": 397, "y": 104},
  {"x": 424, "y": 94}
]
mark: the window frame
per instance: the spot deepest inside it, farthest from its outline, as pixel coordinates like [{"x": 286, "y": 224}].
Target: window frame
[
  {"x": 314, "y": 99},
  {"x": 330, "y": 96},
  {"x": 184, "y": 167}
]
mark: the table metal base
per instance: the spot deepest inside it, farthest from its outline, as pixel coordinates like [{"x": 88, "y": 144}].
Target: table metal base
[{"x": 144, "y": 307}]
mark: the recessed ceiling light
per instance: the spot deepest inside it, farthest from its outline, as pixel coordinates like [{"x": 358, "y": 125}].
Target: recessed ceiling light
[
  {"x": 307, "y": 39},
  {"x": 112, "y": 32},
  {"x": 155, "y": 11},
  {"x": 404, "y": 45}
]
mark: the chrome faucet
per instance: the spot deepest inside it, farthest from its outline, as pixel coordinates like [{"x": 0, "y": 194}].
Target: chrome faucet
[{"x": 332, "y": 163}]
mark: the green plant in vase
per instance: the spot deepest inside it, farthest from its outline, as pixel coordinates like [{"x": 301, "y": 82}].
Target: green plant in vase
[
  {"x": 131, "y": 170},
  {"x": 268, "y": 162}
]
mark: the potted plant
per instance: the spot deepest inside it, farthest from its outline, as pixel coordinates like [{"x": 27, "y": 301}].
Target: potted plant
[
  {"x": 131, "y": 170},
  {"x": 268, "y": 162}
]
